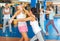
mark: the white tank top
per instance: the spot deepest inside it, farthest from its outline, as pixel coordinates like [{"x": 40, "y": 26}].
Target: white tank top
[
  {"x": 6, "y": 16},
  {"x": 35, "y": 26},
  {"x": 21, "y": 16},
  {"x": 6, "y": 10}
]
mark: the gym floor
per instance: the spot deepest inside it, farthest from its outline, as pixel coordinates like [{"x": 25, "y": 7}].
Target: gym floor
[
  {"x": 15, "y": 35},
  {"x": 52, "y": 32},
  {"x": 16, "y": 39}
]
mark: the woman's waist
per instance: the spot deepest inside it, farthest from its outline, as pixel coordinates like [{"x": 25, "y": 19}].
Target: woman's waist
[
  {"x": 20, "y": 17},
  {"x": 6, "y": 14},
  {"x": 22, "y": 23}
]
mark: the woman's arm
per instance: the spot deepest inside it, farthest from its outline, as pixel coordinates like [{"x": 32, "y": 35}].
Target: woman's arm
[
  {"x": 18, "y": 12},
  {"x": 25, "y": 19},
  {"x": 26, "y": 12},
  {"x": 3, "y": 11},
  {"x": 47, "y": 12},
  {"x": 9, "y": 11}
]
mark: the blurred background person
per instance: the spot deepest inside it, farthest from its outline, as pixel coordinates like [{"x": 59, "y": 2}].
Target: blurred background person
[
  {"x": 42, "y": 19},
  {"x": 51, "y": 19},
  {"x": 6, "y": 18}
]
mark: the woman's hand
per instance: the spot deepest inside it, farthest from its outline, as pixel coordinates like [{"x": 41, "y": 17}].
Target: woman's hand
[{"x": 10, "y": 21}]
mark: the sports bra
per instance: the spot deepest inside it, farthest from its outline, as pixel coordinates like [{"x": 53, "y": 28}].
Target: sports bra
[{"x": 21, "y": 15}]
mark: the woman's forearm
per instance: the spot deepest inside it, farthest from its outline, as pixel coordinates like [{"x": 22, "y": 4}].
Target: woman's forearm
[
  {"x": 24, "y": 19},
  {"x": 15, "y": 14},
  {"x": 27, "y": 12}
]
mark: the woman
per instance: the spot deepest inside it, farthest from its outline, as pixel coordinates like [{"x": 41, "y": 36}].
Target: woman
[
  {"x": 35, "y": 26},
  {"x": 22, "y": 26},
  {"x": 51, "y": 20},
  {"x": 6, "y": 13}
]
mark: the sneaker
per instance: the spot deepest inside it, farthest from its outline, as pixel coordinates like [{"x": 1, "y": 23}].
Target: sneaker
[{"x": 58, "y": 34}]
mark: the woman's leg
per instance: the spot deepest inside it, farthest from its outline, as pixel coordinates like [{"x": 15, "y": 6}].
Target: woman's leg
[
  {"x": 24, "y": 35},
  {"x": 39, "y": 36},
  {"x": 47, "y": 27},
  {"x": 52, "y": 22},
  {"x": 10, "y": 28},
  {"x": 4, "y": 25},
  {"x": 34, "y": 38},
  {"x": 21, "y": 39}
]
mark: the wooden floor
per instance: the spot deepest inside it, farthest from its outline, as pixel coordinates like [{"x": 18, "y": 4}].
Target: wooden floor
[
  {"x": 16, "y": 39},
  {"x": 9, "y": 39}
]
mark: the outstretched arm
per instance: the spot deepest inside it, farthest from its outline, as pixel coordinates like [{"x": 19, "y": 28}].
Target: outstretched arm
[
  {"x": 18, "y": 12},
  {"x": 26, "y": 12},
  {"x": 26, "y": 19}
]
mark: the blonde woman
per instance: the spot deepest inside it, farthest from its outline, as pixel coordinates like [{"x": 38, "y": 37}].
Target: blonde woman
[{"x": 22, "y": 26}]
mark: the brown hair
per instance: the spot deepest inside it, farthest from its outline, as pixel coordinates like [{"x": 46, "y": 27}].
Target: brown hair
[{"x": 52, "y": 6}]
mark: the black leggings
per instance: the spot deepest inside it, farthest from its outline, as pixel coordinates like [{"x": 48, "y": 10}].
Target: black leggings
[{"x": 51, "y": 22}]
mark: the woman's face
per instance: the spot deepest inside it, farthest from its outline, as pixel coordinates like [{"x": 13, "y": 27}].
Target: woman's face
[{"x": 7, "y": 6}]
